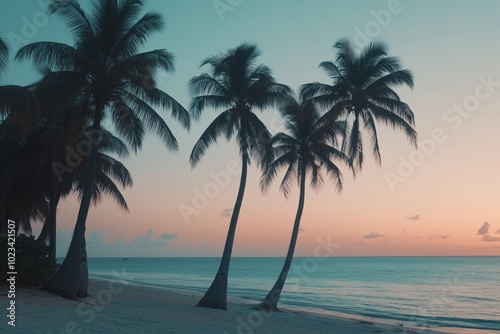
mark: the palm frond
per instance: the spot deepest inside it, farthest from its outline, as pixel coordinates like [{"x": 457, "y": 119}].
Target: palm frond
[
  {"x": 114, "y": 169},
  {"x": 4, "y": 55},
  {"x": 128, "y": 125},
  {"x": 138, "y": 34},
  {"x": 56, "y": 56},
  {"x": 111, "y": 144},
  {"x": 151, "y": 120},
  {"x": 75, "y": 17},
  {"x": 218, "y": 127},
  {"x": 388, "y": 117},
  {"x": 372, "y": 134}
]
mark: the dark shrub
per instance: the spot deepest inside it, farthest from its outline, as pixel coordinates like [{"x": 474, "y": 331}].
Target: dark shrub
[{"x": 32, "y": 264}]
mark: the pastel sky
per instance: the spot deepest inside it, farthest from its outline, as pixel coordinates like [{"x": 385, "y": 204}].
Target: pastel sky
[{"x": 439, "y": 200}]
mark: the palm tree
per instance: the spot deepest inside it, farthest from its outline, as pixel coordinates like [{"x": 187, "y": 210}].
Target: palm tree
[
  {"x": 108, "y": 172},
  {"x": 19, "y": 115},
  {"x": 363, "y": 92},
  {"x": 238, "y": 86},
  {"x": 22, "y": 191},
  {"x": 111, "y": 74},
  {"x": 309, "y": 147}
]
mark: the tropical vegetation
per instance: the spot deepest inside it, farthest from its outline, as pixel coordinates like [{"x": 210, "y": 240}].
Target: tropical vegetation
[
  {"x": 96, "y": 99},
  {"x": 309, "y": 147},
  {"x": 238, "y": 86}
]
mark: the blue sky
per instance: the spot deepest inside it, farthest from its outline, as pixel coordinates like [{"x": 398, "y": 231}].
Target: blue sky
[{"x": 448, "y": 45}]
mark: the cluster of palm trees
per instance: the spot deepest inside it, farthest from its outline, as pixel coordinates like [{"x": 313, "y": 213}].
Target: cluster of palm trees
[
  {"x": 101, "y": 77},
  {"x": 323, "y": 127}
]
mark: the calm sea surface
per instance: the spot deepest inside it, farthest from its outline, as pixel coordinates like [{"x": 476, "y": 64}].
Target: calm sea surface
[{"x": 425, "y": 291}]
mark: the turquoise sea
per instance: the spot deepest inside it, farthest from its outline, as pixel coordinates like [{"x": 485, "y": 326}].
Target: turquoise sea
[{"x": 423, "y": 291}]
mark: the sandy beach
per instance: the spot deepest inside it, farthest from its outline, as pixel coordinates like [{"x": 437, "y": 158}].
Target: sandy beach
[{"x": 117, "y": 307}]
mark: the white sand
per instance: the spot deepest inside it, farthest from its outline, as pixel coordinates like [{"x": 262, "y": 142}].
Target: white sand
[{"x": 119, "y": 308}]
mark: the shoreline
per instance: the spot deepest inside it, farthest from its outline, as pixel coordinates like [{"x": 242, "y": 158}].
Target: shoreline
[{"x": 117, "y": 306}]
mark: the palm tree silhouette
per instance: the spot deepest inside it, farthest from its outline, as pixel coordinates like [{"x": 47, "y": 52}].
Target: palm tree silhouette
[
  {"x": 109, "y": 172},
  {"x": 115, "y": 80},
  {"x": 237, "y": 85},
  {"x": 309, "y": 147},
  {"x": 19, "y": 116},
  {"x": 362, "y": 92}
]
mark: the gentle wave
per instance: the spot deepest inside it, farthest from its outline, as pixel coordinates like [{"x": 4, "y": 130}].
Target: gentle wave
[{"x": 431, "y": 292}]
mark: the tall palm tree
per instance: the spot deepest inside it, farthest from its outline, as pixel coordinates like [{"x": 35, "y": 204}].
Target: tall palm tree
[
  {"x": 106, "y": 64},
  {"x": 362, "y": 91},
  {"x": 309, "y": 147},
  {"x": 238, "y": 86}
]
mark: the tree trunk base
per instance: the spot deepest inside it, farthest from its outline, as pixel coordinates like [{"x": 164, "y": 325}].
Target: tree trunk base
[
  {"x": 53, "y": 286},
  {"x": 216, "y": 295},
  {"x": 212, "y": 304},
  {"x": 266, "y": 306}
]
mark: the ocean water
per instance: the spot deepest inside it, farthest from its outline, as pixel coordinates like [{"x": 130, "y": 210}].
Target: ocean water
[{"x": 424, "y": 291}]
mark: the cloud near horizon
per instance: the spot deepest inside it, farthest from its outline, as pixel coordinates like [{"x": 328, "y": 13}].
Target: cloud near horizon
[
  {"x": 489, "y": 238},
  {"x": 143, "y": 245},
  {"x": 413, "y": 217},
  {"x": 373, "y": 235},
  {"x": 484, "y": 229},
  {"x": 446, "y": 236}
]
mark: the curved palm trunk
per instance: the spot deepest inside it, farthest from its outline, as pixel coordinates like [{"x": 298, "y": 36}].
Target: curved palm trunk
[
  {"x": 53, "y": 228},
  {"x": 216, "y": 295},
  {"x": 66, "y": 281},
  {"x": 83, "y": 283},
  {"x": 270, "y": 303}
]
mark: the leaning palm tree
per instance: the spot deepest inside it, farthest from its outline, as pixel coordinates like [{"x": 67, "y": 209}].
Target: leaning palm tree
[
  {"x": 309, "y": 147},
  {"x": 363, "y": 92},
  {"x": 115, "y": 80},
  {"x": 238, "y": 86}
]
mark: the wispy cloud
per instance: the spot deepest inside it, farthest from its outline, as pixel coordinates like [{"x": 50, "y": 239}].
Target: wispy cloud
[
  {"x": 488, "y": 238},
  {"x": 484, "y": 229},
  {"x": 373, "y": 235},
  {"x": 143, "y": 245},
  {"x": 413, "y": 217},
  {"x": 168, "y": 236},
  {"x": 446, "y": 236},
  {"x": 226, "y": 212}
]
